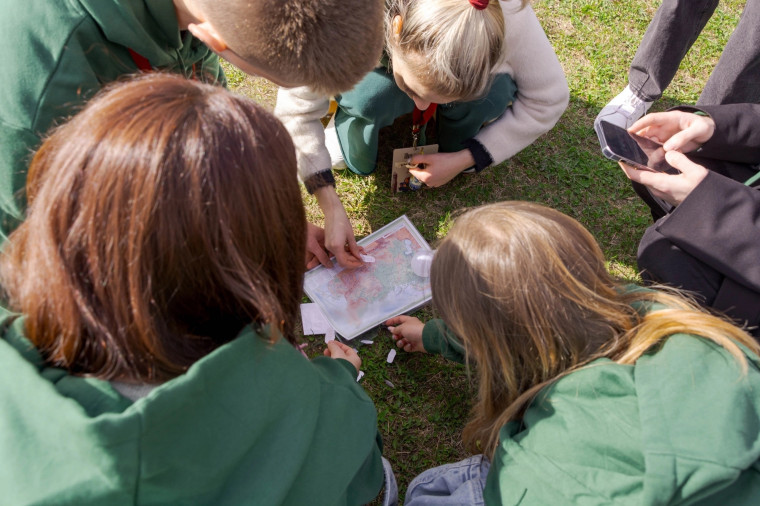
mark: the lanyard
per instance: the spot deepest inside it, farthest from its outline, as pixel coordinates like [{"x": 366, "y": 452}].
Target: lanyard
[
  {"x": 144, "y": 65},
  {"x": 142, "y": 62},
  {"x": 419, "y": 119}
]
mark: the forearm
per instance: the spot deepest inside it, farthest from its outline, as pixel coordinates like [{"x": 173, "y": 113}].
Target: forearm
[
  {"x": 328, "y": 200},
  {"x": 301, "y": 111},
  {"x": 542, "y": 91},
  {"x": 737, "y": 132},
  {"x": 438, "y": 338},
  {"x": 719, "y": 224}
]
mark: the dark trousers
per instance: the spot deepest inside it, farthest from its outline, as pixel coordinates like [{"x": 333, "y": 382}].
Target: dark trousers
[
  {"x": 661, "y": 261},
  {"x": 672, "y": 31}
]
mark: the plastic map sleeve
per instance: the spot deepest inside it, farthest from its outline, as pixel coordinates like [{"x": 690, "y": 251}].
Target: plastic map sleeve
[{"x": 354, "y": 301}]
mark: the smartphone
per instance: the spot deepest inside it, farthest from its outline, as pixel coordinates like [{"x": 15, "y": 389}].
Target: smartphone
[{"x": 620, "y": 145}]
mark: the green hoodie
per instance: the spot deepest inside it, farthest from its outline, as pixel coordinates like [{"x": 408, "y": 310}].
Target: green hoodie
[
  {"x": 680, "y": 426},
  {"x": 59, "y": 53},
  {"x": 250, "y": 423}
]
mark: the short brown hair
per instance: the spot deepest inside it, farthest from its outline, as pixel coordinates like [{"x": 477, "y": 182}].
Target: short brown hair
[
  {"x": 328, "y": 45},
  {"x": 163, "y": 218}
]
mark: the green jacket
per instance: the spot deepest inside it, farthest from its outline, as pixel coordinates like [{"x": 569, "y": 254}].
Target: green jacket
[
  {"x": 250, "y": 423},
  {"x": 680, "y": 426},
  {"x": 59, "y": 53}
]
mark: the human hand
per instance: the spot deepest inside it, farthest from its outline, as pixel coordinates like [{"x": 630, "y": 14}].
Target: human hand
[
  {"x": 339, "y": 350},
  {"x": 339, "y": 235},
  {"x": 672, "y": 188},
  {"x": 440, "y": 168},
  {"x": 315, "y": 247},
  {"x": 675, "y": 130},
  {"x": 407, "y": 332}
]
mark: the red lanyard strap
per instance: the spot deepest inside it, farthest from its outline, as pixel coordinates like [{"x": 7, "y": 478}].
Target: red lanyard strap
[
  {"x": 144, "y": 65},
  {"x": 420, "y": 118},
  {"x": 141, "y": 61}
]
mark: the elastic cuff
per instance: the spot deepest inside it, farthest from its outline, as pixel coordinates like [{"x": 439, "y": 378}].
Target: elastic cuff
[
  {"x": 319, "y": 180},
  {"x": 482, "y": 157}
]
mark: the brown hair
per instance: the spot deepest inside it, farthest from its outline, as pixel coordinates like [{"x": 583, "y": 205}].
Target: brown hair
[
  {"x": 163, "y": 218},
  {"x": 452, "y": 46},
  {"x": 328, "y": 45},
  {"x": 526, "y": 289}
]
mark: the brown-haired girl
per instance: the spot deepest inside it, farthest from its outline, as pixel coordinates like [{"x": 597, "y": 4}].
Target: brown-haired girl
[
  {"x": 589, "y": 391},
  {"x": 155, "y": 285}
]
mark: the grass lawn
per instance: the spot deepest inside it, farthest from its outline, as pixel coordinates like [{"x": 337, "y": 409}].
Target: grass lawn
[{"x": 422, "y": 414}]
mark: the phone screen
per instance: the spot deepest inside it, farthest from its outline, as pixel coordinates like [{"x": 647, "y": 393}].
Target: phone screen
[{"x": 634, "y": 149}]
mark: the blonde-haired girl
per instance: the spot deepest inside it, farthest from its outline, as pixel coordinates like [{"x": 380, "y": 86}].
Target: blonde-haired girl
[
  {"x": 483, "y": 62},
  {"x": 589, "y": 390}
]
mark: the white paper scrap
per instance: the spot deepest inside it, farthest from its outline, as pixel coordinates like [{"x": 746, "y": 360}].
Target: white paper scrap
[
  {"x": 314, "y": 322},
  {"x": 361, "y": 375},
  {"x": 391, "y": 356},
  {"x": 368, "y": 258},
  {"x": 367, "y": 341},
  {"x": 390, "y": 384}
]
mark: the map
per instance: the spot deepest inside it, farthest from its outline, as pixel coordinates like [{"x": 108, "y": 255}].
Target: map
[{"x": 355, "y": 300}]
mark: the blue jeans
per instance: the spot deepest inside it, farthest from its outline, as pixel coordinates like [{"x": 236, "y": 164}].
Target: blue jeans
[
  {"x": 390, "y": 496},
  {"x": 451, "y": 484}
]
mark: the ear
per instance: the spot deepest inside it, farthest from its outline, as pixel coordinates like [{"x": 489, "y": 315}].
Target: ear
[
  {"x": 397, "y": 24},
  {"x": 208, "y": 35}
]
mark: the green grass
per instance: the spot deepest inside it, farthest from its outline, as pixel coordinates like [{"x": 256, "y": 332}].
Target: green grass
[{"x": 421, "y": 417}]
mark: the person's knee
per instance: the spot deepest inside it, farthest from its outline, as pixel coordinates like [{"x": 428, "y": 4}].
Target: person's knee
[
  {"x": 661, "y": 261},
  {"x": 376, "y": 96},
  {"x": 651, "y": 248},
  {"x": 502, "y": 94}
]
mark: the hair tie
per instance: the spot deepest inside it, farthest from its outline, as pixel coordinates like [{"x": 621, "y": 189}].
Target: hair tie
[{"x": 479, "y": 4}]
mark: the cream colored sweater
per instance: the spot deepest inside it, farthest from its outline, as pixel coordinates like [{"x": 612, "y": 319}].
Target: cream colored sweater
[{"x": 542, "y": 97}]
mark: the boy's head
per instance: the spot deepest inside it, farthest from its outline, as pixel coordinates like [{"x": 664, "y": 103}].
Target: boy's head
[{"x": 326, "y": 44}]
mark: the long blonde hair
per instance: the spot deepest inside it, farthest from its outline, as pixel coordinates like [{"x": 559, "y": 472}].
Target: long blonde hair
[
  {"x": 526, "y": 289},
  {"x": 456, "y": 46}
]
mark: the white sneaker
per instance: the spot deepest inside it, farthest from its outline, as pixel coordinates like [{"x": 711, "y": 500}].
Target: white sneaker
[
  {"x": 333, "y": 146},
  {"x": 623, "y": 110}
]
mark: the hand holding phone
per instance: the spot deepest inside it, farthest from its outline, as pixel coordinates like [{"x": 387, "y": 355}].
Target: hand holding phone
[
  {"x": 640, "y": 152},
  {"x": 672, "y": 188}
]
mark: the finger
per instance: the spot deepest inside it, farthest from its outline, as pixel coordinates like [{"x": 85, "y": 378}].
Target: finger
[
  {"x": 326, "y": 352},
  {"x": 679, "y": 141},
  {"x": 343, "y": 346},
  {"x": 347, "y": 260},
  {"x": 334, "y": 349},
  {"x": 310, "y": 264},
  {"x": 416, "y": 159},
  {"x": 646, "y": 177},
  {"x": 425, "y": 177},
  {"x": 680, "y": 161},
  {"x": 354, "y": 248},
  {"x": 631, "y": 172},
  {"x": 649, "y": 120},
  {"x": 321, "y": 255},
  {"x": 397, "y": 320}
]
